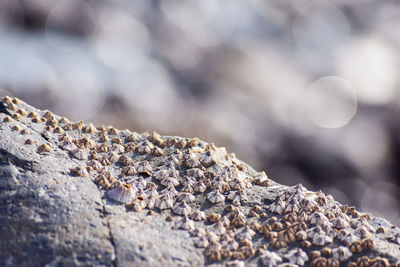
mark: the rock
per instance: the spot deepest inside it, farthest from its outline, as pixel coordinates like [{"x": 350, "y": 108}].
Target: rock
[{"x": 55, "y": 209}]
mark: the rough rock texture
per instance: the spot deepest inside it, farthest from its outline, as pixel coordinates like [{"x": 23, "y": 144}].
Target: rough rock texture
[{"x": 53, "y": 213}]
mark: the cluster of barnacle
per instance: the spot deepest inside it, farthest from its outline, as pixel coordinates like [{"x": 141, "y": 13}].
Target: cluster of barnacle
[{"x": 167, "y": 173}]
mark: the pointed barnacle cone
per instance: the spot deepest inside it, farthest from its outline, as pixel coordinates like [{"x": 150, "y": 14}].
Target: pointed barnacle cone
[
  {"x": 215, "y": 197},
  {"x": 123, "y": 193},
  {"x": 43, "y": 148},
  {"x": 80, "y": 154},
  {"x": 79, "y": 171}
]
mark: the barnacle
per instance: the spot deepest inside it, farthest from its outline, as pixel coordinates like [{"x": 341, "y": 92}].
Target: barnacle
[
  {"x": 44, "y": 148},
  {"x": 187, "y": 197},
  {"x": 201, "y": 242},
  {"x": 318, "y": 218},
  {"x": 170, "y": 182},
  {"x": 341, "y": 253},
  {"x": 185, "y": 223},
  {"x": 278, "y": 207},
  {"x": 217, "y": 228},
  {"x": 213, "y": 217},
  {"x": 164, "y": 202},
  {"x": 145, "y": 147},
  {"x": 245, "y": 233},
  {"x": 215, "y": 197},
  {"x": 238, "y": 219},
  {"x": 355, "y": 247},
  {"x": 198, "y": 231},
  {"x": 237, "y": 196},
  {"x": 182, "y": 208},
  {"x": 123, "y": 193},
  {"x": 144, "y": 167},
  {"x": 79, "y": 154},
  {"x": 270, "y": 259},
  {"x": 297, "y": 256},
  {"x": 79, "y": 171}
]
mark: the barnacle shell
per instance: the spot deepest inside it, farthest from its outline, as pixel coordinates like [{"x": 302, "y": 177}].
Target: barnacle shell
[
  {"x": 341, "y": 253},
  {"x": 297, "y": 256},
  {"x": 215, "y": 197},
  {"x": 79, "y": 171},
  {"x": 270, "y": 259},
  {"x": 123, "y": 193}
]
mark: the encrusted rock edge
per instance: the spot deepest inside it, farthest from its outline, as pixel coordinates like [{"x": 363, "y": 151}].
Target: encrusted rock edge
[{"x": 52, "y": 213}]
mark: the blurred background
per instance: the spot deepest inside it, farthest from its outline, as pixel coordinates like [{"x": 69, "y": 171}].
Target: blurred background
[{"x": 306, "y": 90}]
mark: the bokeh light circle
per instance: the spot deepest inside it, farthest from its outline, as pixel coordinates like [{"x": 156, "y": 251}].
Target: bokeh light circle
[{"x": 331, "y": 102}]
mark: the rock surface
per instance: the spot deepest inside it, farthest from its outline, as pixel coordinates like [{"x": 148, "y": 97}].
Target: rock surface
[{"x": 55, "y": 208}]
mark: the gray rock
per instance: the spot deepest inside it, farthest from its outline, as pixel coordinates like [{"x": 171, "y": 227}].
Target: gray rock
[{"x": 50, "y": 216}]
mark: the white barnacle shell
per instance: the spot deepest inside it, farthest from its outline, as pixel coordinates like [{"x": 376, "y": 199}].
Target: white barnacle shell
[
  {"x": 141, "y": 183},
  {"x": 207, "y": 159},
  {"x": 116, "y": 148},
  {"x": 341, "y": 253},
  {"x": 350, "y": 238},
  {"x": 164, "y": 202},
  {"x": 201, "y": 242},
  {"x": 150, "y": 192},
  {"x": 301, "y": 235},
  {"x": 145, "y": 147},
  {"x": 278, "y": 206},
  {"x": 187, "y": 197},
  {"x": 198, "y": 215},
  {"x": 292, "y": 206},
  {"x": 170, "y": 182},
  {"x": 161, "y": 174},
  {"x": 192, "y": 163},
  {"x": 182, "y": 208},
  {"x": 245, "y": 233},
  {"x": 200, "y": 187},
  {"x": 123, "y": 193},
  {"x": 317, "y": 217},
  {"x": 217, "y": 228},
  {"x": 237, "y": 196},
  {"x": 187, "y": 181},
  {"x": 270, "y": 259},
  {"x": 112, "y": 156},
  {"x": 317, "y": 230},
  {"x": 362, "y": 222},
  {"x": 129, "y": 170},
  {"x": 230, "y": 244},
  {"x": 68, "y": 145},
  {"x": 218, "y": 182},
  {"x": 198, "y": 231},
  {"x": 342, "y": 234},
  {"x": 144, "y": 167},
  {"x": 297, "y": 256},
  {"x": 362, "y": 232},
  {"x": 215, "y": 197},
  {"x": 215, "y": 245},
  {"x": 195, "y": 173},
  {"x": 237, "y": 184},
  {"x": 185, "y": 223},
  {"x": 339, "y": 223},
  {"x": 170, "y": 191},
  {"x": 79, "y": 154},
  {"x": 211, "y": 236},
  {"x": 151, "y": 202},
  {"x": 321, "y": 239},
  {"x": 175, "y": 160},
  {"x": 309, "y": 203}
]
